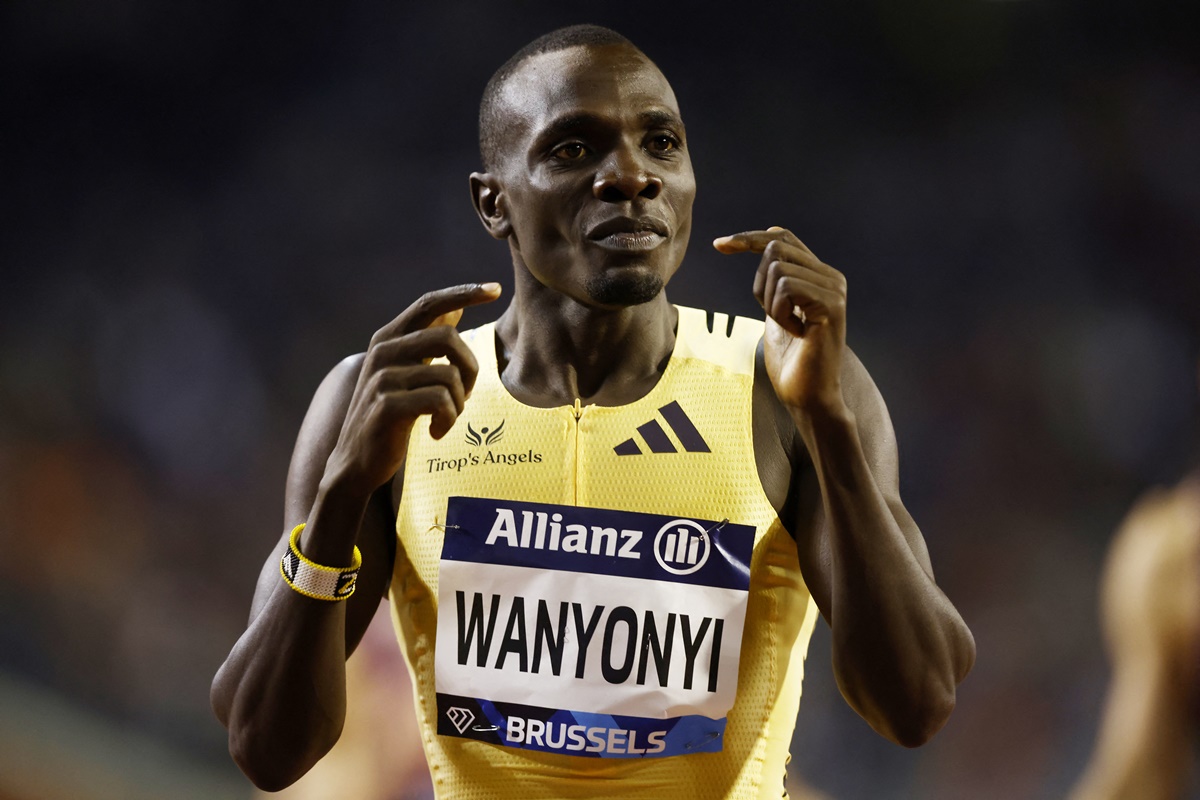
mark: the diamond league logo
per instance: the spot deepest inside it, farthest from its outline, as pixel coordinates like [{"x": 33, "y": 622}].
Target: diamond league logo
[
  {"x": 682, "y": 546},
  {"x": 460, "y": 717}
]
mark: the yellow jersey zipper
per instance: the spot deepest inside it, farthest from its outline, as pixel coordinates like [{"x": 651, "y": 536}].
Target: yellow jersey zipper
[{"x": 578, "y": 412}]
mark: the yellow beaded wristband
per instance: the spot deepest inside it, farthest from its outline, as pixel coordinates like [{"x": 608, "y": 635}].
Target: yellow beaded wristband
[{"x": 314, "y": 580}]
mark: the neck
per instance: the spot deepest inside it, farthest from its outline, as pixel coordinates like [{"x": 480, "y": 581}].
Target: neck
[{"x": 552, "y": 349}]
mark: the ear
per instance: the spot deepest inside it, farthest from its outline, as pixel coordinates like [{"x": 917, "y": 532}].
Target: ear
[{"x": 488, "y": 198}]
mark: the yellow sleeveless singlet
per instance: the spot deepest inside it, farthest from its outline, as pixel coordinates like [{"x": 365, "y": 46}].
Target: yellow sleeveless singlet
[{"x": 684, "y": 449}]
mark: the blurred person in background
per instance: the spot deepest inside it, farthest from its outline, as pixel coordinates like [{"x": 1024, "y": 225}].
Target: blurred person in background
[
  {"x": 556, "y": 408},
  {"x": 1150, "y": 609}
]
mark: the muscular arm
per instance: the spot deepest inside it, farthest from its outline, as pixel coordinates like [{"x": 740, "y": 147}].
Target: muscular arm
[
  {"x": 1150, "y": 602},
  {"x": 899, "y": 647},
  {"x": 282, "y": 691}
]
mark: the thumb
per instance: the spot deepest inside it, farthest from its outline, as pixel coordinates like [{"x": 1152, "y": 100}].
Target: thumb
[{"x": 450, "y": 318}]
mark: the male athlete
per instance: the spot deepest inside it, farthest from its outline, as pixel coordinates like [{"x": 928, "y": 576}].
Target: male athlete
[
  {"x": 605, "y": 523},
  {"x": 1151, "y": 613}
]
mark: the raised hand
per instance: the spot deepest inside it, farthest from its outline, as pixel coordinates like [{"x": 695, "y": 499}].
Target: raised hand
[
  {"x": 805, "y": 303},
  {"x": 397, "y": 384}
]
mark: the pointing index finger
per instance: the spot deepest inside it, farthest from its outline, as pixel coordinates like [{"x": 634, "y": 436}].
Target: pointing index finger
[
  {"x": 755, "y": 241},
  {"x": 441, "y": 307}
]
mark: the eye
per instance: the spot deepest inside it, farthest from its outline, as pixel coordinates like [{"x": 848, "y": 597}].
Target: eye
[
  {"x": 572, "y": 151},
  {"x": 663, "y": 143}
]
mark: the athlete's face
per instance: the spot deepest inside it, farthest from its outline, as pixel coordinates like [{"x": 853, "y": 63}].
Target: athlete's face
[{"x": 597, "y": 183}]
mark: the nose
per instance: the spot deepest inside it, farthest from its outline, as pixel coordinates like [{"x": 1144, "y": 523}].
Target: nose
[{"x": 623, "y": 176}]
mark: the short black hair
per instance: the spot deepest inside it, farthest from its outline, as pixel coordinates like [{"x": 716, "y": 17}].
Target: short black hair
[{"x": 552, "y": 42}]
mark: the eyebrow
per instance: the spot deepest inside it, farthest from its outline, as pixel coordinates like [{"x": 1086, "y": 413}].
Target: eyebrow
[
  {"x": 573, "y": 123},
  {"x": 661, "y": 119}
]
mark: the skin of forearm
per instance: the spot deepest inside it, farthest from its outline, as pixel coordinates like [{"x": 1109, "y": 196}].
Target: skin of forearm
[
  {"x": 333, "y": 524},
  {"x": 899, "y": 647},
  {"x": 282, "y": 692},
  {"x": 287, "y": 693}
]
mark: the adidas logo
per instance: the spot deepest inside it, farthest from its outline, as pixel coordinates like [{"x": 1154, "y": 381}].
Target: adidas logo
[{"x": 656, "y": 438}]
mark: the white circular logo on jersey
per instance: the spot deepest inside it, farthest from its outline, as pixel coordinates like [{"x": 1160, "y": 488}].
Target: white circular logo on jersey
[{"x": 682, "y": 546}]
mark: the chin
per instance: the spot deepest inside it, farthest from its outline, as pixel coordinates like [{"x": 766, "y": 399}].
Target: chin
[{"x": 620, "y": 288}]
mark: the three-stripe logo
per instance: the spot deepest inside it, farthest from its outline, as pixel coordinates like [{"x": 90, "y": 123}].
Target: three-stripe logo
[{"x": 656, "y": 438}]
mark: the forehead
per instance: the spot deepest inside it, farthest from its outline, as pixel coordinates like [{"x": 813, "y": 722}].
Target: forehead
[{"x": 609, "y": 81}]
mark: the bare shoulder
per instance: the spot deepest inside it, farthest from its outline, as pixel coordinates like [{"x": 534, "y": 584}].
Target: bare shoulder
[
  {"x": 318, "y": 435},
  {"x": 343, "y": 377},
  {"x": 333, "y": 395}
]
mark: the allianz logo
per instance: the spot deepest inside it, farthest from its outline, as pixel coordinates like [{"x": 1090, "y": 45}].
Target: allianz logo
[{"x": 681, "y": 546}]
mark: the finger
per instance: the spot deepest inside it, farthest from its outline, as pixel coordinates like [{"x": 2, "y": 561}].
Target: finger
[
  {"x": 789, "y": 293},
  {"x": 449, "y": 319},
  {"x": 780, "y": 250},
  {"x": 393, "y": 380},
  {"x": 770, "y": 272},
  {"x": 814, "y": 300},
  {"x": 780, "y": 253},
  {"x": 771, "y": 269},
  {"x": 784, "y": 313},
  {"x": 433, "y": 400},
  {"x": 790, "y": 238},
  {"x": 756, "y": 241},
  {"x": 782, "y": 307},
  {"x": 424, "y": 345},
  {"x": 431, "y": 306}
]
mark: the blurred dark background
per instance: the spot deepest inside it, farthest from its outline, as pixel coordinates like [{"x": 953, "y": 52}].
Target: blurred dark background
[{"x": 205, "y": 205}]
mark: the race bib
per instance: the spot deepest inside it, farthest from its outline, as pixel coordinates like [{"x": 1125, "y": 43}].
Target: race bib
[{"x": 587, "y": 631}]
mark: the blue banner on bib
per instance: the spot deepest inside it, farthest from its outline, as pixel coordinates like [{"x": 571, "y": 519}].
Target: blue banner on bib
[
  {"x": 577, "y": 733},
  {"x": 586, "y": 631},
  {"x": 600, "y": 541}
]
